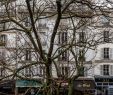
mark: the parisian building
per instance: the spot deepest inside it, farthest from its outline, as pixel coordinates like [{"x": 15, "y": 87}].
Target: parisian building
[{"x": 16, "y": 50}]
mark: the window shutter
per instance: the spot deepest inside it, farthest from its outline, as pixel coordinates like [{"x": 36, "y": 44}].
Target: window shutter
[
  {"x": 101, "y": 69},
  {"x": 111, "y": 70},
  {"x": 110, "y": 53},
  {"x": 59, "y": 37},
  {"x": 85, "y": 71},
  {"x": 102, "y": 53}
]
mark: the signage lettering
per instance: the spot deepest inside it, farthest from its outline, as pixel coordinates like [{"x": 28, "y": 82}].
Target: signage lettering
[{"x": 84, "y": 85}]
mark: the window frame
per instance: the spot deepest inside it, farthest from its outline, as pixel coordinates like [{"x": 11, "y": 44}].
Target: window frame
[
  {"x": 63, "y": 37},
  {"x": 106, "y": 53},
  {"x": 3, "y": 39},
  {"x": 28, "y": 54},
  {"x": 28, "y": 71},
  {"x": 2, "y": 72},
  {"x": 63, "y": 56},
  {"x": 65, "y": 71},
  {"x": 106, "y": 70},
  {"x": 81, "y": 37},
  {"x": 106, "y": 36}
]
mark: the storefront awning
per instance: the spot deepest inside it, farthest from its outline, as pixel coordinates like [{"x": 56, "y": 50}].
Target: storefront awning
[{"x": 28, "y": 83}]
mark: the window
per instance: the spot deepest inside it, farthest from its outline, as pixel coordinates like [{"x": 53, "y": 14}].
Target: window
[
  {"x": 65, "y": 71},
  {"x": 28, "y": 55},
  {"x": 105, "y": 69},
  {"x": 3, "y": 26},
  {"x": 42, "y": 24},
  {"x": 82, "y": 71},
  {"x": 106, "y": 53},
  {"x": 81, "y": 37},
  {"x": 62, "y": 37},
  {"x": 2, "y": 54},
  {"x": 28, "y": 71},
  {"x": 41, "y": 70},
  {"x": 27, "y": 22},
  {"x": 104, "y": 20},
  {"x": 3, "y": 40},
  {"x": 43, "y": 38},
  {"x": 63, "y": 55},
  {"x": 2, "y": 72},
  {"x": 106, "y": 36}
]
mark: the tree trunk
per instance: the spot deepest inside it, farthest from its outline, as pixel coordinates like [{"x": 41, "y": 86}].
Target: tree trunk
[
  {"x": 48, "y": 80},
  {"x": 71, "y": 85}
]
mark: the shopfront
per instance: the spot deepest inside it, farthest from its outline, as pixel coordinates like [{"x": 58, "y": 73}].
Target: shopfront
[
  {"x": 62, "y": 85},
  {"x": 7, "y": 87},
  {"x": 84, "y": 87},
  {"x": 28, "y": 87},
  {"x": 104, "y": 85}
]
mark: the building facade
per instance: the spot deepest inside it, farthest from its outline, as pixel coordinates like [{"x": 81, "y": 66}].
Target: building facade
[{"x": 91, "y": 47}]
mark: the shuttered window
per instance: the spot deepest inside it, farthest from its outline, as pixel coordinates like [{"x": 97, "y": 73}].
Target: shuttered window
[
  {"x": 107, "y": 53},
  {"x": 2, "y": 72},
  {"x": 82, "y": 37},
  {"x": 106, "y": 70},
  {"x": 64, "y": 71},
  {"x": 63, "y": 55},
  {"x": 62, "y": 37},
  {"x": 28, "y": 71},
  {"x": 27, "y": 22},
  {"x": 28, "y": 55},
  {"x": 3, "y": 40},
  {"x": 106, "y": 36}
]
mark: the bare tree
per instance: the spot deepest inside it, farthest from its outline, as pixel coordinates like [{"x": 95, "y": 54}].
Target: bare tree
[{"x": 56, "y": 18}]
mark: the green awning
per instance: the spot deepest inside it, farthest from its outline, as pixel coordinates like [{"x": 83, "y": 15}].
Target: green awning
[{"x": 28, "y": 83}]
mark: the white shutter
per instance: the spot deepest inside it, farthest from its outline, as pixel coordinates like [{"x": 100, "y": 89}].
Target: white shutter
[
  {"x": 110, "y": 53},
  {"x": 102, "y": 53},
  {"x": 111, "y": 70},
  {"x": 101, "y": 69}
]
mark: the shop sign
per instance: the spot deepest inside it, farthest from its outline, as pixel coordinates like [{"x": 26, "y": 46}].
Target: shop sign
[
  {"x": 84, "y": 85},
  {"x": 103, "y": 79}
]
